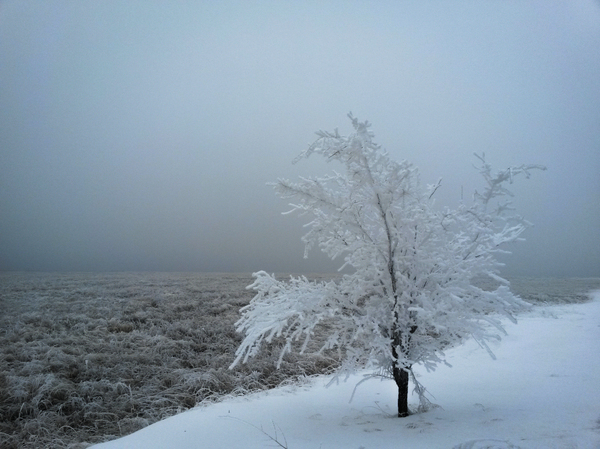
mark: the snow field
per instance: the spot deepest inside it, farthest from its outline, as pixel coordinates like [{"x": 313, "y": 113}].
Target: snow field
[{"x": 543, "y": 391}]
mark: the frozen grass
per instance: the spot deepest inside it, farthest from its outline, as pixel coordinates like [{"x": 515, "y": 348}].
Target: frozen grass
[
  {"x": 85, "y": 358},
  {"x": 552, "y": 291},
  {"x": 90, "y": 357}
]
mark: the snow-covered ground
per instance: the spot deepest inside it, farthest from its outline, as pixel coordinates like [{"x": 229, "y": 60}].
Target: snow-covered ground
[{"x": 543, "y": 391}]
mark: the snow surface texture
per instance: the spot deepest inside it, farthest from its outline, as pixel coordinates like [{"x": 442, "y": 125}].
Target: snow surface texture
[{"x": 543, "y": 391}]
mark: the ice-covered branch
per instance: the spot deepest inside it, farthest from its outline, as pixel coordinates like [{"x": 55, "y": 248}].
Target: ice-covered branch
[{"x": 410, "y": 291}]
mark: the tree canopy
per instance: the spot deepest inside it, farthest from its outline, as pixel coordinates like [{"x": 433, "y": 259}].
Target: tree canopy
[{"x": 411, "y": 290}]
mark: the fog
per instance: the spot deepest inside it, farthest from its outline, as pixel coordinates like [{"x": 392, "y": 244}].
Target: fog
[{"x": 140, "y": 135}]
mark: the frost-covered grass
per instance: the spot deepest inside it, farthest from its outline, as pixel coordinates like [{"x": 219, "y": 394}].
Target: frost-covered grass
[
  {"x": 86, "y": 357},
  {"x": 90, "y": 357},
  {"x": 540, "y": 291}
]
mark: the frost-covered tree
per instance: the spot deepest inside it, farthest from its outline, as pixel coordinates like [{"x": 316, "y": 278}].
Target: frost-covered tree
[{"x": 411, "y": 291}]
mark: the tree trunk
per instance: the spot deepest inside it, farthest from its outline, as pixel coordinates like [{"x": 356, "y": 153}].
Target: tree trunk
[
  {"x": 401, "y": 378},
  {"x": 400, "y": 374}
]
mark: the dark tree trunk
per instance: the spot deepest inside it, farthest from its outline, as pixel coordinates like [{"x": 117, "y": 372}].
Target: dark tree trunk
[
  {"x": 401, "y": 378},
  {"x": 400, "y": 373}
]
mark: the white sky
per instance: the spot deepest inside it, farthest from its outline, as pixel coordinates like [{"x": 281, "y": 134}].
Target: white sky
[{"x": 139, "y": 135}]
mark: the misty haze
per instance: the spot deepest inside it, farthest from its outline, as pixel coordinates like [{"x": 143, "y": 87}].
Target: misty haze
[{"x": 140, "y": 136}]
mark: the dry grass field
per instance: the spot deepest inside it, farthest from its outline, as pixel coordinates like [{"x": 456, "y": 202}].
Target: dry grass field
[{"x": 89, "y": 357}]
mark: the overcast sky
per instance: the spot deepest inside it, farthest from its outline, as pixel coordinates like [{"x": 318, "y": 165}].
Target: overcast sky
[{"x": 139, "y": 135}]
